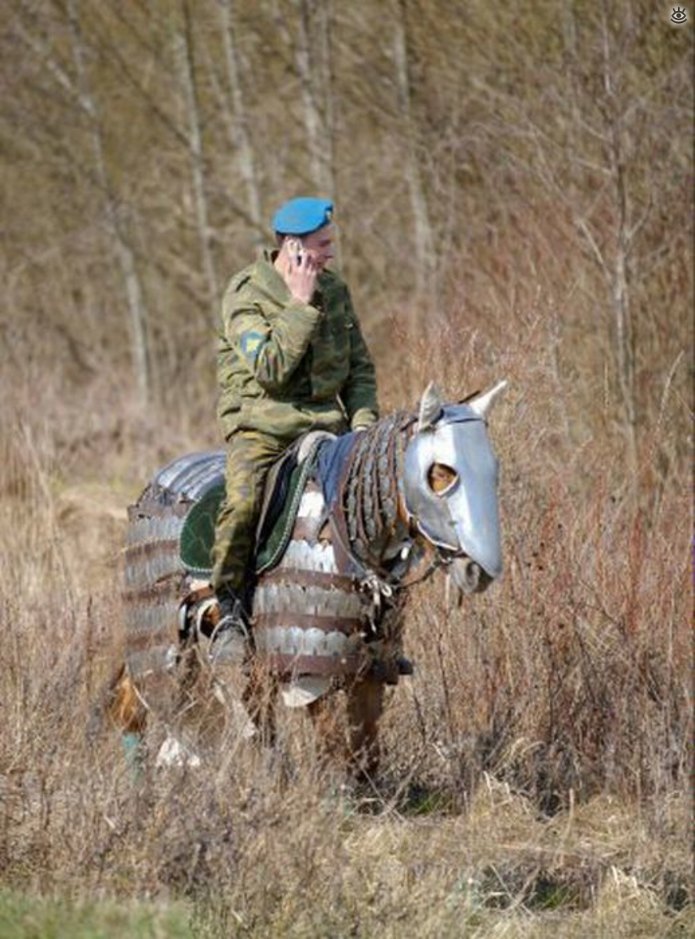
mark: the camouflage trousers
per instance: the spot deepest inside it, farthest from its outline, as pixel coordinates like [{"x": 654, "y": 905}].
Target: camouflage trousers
[{"x": 250, "y": 455}]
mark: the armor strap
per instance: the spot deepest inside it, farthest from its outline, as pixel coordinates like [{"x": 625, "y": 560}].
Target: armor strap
[{"x": 326, "y": 579}]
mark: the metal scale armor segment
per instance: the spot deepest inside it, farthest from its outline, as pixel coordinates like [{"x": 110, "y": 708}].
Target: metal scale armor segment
[{"x": 154, "y": 572}]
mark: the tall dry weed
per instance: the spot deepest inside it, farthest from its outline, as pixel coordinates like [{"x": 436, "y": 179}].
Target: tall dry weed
[
  {"x": 537, "y": 761},
  {"x": 536, "y": 769}
]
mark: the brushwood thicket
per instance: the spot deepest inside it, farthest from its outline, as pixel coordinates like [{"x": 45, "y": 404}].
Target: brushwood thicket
[{"x": 513, "y": 188}]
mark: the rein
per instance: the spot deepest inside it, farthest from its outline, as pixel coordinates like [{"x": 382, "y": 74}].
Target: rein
[{"x": 367, "y": 517}]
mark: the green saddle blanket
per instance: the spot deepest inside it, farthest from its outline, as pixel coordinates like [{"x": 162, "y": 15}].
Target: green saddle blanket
[{"x": 198, "y": 532}]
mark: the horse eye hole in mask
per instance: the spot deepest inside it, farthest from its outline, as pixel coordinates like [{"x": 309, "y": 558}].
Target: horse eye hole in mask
[{"x": 441, "y": 478}]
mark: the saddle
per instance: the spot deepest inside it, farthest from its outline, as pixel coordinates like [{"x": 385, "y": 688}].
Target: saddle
[
  {"x": 282, "y": 495},
  {"x": 283, "y": 491}
]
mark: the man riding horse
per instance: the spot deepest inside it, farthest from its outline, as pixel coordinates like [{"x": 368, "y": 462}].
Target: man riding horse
[{"x": 291, "y": 359}]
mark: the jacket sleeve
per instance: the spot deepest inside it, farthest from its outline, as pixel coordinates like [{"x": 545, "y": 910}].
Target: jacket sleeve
[
  {"x": 358, "y": 394},
  {"x": 271, "y": 351}
]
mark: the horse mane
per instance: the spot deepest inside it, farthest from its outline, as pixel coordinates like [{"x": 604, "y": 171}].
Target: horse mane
[{"x": 372, "y": 487}]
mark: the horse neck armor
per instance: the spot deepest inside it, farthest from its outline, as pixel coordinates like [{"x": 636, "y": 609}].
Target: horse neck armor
[{"x": 377, "y": 532}]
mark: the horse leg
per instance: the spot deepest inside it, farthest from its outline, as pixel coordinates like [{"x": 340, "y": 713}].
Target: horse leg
[
  {"x": 128, "y": 712},
  {"x": 260, "y": 699},
  {"x": 329, "y": 732},
  {"x": 365, "y": 704}
]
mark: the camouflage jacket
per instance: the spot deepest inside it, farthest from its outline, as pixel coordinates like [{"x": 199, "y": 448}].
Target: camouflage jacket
[{"x": 285, "y": 367}]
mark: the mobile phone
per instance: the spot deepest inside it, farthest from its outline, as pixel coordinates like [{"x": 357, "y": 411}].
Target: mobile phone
[{"x": 296, "y": 250}]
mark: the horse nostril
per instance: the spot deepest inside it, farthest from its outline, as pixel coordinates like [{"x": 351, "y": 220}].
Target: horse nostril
[
  {"x": 466, "y": 574},
  {"x": 469, "y": 576},
  {"x": 484, "y": 581}
]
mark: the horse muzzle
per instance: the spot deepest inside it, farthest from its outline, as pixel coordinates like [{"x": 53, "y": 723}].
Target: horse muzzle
[{"x": 469, "y": 576}]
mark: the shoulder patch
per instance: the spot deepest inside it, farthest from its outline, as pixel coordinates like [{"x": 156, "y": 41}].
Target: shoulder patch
[{"x": 250, "y": 343}]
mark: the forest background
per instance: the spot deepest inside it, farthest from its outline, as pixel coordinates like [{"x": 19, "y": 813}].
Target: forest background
[{"x": 513, "y": 188}]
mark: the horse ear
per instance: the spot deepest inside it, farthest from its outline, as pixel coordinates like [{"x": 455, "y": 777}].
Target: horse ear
[
  {"x": 430, "y": 407},
  {"x": 483, "y": 404}
]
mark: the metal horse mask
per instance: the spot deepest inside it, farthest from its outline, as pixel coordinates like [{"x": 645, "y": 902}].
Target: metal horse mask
[{"x": 462, "y": 519}]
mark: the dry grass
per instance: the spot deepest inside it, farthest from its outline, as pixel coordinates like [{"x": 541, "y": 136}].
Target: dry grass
[
  {"x": 535, "y": 773},
  {"x": 536, "y": 769}
]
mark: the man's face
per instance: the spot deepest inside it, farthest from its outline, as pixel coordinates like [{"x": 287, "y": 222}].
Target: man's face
[{"x": 319, "y": 246}]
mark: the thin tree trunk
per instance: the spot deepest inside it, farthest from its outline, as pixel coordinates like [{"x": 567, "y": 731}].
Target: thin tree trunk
[
  {"x": 619, "y": 275},
  {"x": 326, "y": 82},
  {"x": 186, "y": 64},
  {"x": 131, "y": 278},
  {"x": 625, "y": 347},
  {"x": 324, "y": 79},
  {"x": 424, "y": 239},
  {"x": 241, "y": 135},
  {"x": 313, "y": 69}
]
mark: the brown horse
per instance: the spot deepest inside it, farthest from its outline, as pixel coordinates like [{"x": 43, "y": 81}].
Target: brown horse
[{"x": 364, "y": 516}]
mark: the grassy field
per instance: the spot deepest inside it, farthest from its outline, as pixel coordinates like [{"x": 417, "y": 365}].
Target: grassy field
[
  {"x": 535, "y": 774},
  {"x": 514, "y": 200},
  {"x": 31, "y": 917}
]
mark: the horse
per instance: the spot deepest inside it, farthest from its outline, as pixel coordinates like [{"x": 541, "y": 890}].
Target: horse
[{"x": 349, "y": 524}]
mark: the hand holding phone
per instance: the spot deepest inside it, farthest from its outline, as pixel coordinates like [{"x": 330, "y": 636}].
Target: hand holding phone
[
  {"x": 296, "y": 251},
  {"x": 301, "y": 272}
]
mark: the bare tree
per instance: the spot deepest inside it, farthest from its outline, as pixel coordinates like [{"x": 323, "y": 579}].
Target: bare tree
[
  {"x": 423, "y": 235},
  {"x": 617, "y": 271},
  {"x": 240, "y": 133},
  {"x": 310, "y": 50},
  {"x": 312, "y": 55},
  {"x": 186, "y": 63},
  {"x": 82, "y": 91}
]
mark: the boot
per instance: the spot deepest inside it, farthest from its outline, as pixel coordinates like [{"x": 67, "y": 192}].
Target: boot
[{"x": 230, "y": 639}]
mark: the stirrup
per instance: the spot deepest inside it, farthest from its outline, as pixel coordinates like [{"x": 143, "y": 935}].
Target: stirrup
[{"x": 232, "y": 611}]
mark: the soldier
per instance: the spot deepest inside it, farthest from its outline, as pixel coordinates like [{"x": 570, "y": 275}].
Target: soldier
[{"x": 291, "y": 359}]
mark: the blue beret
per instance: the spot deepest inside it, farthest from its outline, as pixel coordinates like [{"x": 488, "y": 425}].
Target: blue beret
[{"x": 302, "y": 216}]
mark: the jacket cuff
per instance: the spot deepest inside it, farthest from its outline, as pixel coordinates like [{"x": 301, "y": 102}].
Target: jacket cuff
[
  {"x": 363, "y": 418},
  {"x": 303, "y": 312},
  {"x": 299, "y": 323}
]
